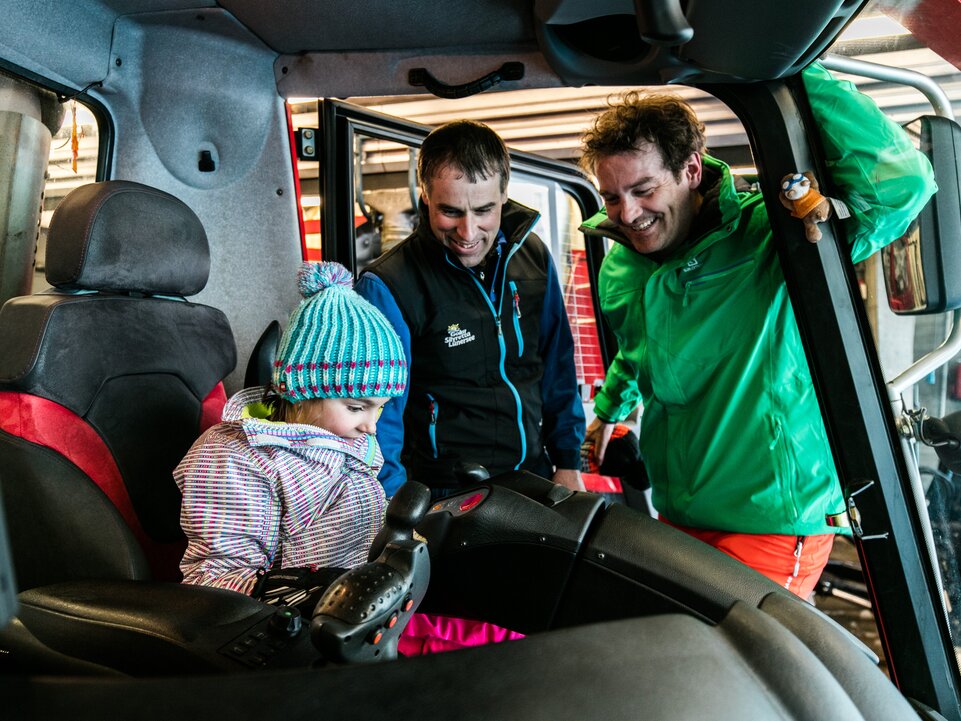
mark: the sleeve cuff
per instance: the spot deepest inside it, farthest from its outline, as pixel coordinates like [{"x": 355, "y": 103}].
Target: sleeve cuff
[
  {"x": 606, "y": 411},
  {"x": 567, "y": 459}
]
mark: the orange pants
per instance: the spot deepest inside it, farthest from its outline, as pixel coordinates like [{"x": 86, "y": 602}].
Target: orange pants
[{"x": 794, "y": 562}]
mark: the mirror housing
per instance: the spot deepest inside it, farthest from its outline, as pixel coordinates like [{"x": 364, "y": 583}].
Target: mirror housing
[{"x": 922, "y": 268}]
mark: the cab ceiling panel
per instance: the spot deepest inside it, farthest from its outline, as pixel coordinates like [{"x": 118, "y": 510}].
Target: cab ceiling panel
[
  {"x": 648, "y": 42},
  {"x": 342, "y": 48},
  {"x": 296, "y": 26}
]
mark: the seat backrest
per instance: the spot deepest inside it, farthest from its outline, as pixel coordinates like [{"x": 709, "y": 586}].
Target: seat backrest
[
  {"x": 105, "y": 381},
  {"x": 260, "y": 365}
]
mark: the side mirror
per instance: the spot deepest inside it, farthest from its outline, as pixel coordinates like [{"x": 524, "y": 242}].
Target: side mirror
[{"x": 922, "y": 268}]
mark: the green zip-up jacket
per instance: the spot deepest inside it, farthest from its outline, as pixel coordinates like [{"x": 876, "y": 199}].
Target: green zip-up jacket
[{"x": 731, "y": 431}]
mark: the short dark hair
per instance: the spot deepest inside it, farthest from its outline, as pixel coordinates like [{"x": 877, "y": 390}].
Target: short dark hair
[
  {"x": 637, "y": 118},
  {"x": 465, "y": 145}
]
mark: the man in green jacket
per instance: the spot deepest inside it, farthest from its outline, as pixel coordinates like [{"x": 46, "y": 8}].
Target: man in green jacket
[{"x": 731, "y": 431}]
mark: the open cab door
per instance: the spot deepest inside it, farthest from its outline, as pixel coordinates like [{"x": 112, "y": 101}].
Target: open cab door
[{"x": 358, "y": 179}]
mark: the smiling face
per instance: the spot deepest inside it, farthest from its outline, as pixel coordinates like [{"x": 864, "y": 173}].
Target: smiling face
[
  {"x": 651, "y": 206},
  {"x": 345, "y": 417},
  {"x": 464, "y": 216}
]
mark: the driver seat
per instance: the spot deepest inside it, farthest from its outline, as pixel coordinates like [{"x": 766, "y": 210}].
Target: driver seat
[{"x": 105, "y": 381}]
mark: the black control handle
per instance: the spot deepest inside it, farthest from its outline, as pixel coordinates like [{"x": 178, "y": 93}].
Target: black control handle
[
  {"x": 406, "y": 509},
  {"x": 470, "y": 474}
]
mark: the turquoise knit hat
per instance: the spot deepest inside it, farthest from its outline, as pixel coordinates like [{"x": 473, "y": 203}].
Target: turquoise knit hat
[{"x": 337, "y": 345}]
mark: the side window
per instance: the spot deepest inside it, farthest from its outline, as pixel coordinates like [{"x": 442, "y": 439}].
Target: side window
[
  {"x": 384, "y": 196},
  {"x": 914, "y": 351},
  {"x": 74, "y": 151}
]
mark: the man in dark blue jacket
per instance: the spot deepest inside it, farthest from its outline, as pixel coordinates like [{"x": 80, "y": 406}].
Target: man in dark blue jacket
[{"x": 475, "y": 298}]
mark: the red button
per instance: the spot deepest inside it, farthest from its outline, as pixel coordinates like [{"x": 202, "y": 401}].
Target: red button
[
  {"x": 408, "y": 604},
  {"x": 377, "y": 635},
  {"x": 471, "y": 501},
  {"x": 392, "y": 621}
]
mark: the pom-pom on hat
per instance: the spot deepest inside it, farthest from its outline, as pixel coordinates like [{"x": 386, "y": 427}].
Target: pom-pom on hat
[{"x": 337, "y": 345}]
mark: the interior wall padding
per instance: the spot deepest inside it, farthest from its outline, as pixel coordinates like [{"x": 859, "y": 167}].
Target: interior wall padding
[{"x": 183, "y": 82}]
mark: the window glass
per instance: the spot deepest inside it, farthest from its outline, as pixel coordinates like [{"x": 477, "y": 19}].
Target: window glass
[
  {"x": 74, "y": 150},
  {"x": 385, "y": 212},
  {"x": 385, "y": 201},
  {"x": 902, "y": 339}
]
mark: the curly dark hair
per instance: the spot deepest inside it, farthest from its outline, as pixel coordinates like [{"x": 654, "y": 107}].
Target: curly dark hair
[
  {"x": 637, "y": 118},
  {"x": 468, "y": 146}
]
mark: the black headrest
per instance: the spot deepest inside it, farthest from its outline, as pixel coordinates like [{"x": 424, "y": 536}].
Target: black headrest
[{"x": 121, "y": 236}]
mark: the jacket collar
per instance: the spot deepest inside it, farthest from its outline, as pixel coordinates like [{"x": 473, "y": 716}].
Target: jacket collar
[
  {"x": 517, "y": 221},
  {"x": 247, "y": 409}
]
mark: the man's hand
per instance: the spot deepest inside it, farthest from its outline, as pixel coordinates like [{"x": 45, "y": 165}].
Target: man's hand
[
  {"x": 600, "y": 433},
  {"x": 569, "y": 478}
]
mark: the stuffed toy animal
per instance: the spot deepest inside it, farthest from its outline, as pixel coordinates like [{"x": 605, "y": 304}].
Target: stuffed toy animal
[{"x": 800, "y": 195}]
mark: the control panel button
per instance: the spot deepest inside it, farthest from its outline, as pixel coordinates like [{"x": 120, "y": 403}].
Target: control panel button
[
  {"x": 471, "y": 501},
  {"x": 286, "y": 621}
]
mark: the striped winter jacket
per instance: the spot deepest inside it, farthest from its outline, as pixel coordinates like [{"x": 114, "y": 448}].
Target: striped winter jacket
[{"x": 258, "y": 494}]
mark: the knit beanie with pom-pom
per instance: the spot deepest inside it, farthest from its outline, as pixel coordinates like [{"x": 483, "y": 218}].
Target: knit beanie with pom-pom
[{"x": 337, "y": 345}]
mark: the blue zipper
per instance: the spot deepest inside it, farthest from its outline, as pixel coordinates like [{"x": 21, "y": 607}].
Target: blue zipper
[
  {"x": 516, "y": 299},
  {"x": 496, "y": 312},
  {"x": 432, "y": 427}
]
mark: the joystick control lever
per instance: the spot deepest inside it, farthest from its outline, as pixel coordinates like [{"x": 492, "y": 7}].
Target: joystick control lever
[
  {"x": 406, "y": 509},
  {"x": 470, "y": 474},
  {"x": 361, "y": 616}
]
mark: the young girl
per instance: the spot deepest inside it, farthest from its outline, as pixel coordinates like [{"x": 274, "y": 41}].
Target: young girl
[{"x": 289, "y": 479}]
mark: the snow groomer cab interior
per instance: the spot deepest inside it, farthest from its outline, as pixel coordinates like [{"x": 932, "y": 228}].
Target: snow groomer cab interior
[{"x": 166, "y": 165}]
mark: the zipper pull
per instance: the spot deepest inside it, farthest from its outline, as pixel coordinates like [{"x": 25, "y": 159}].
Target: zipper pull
[
  {"x": 797, "y": 555},
  {"x": 517, "y": 303},
  {"x": 687, "y": 290},
  {"x": 500, "y": 331},
  {"x": 433, "y": 412}
]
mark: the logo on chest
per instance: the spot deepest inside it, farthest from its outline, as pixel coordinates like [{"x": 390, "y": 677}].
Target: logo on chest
[{"x": 458, "y": 336}]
